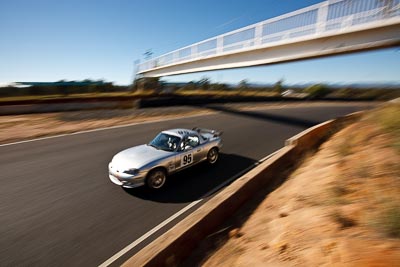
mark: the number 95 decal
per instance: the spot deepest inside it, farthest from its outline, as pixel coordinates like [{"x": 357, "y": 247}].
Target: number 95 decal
[{"x": 186, "y": 159}]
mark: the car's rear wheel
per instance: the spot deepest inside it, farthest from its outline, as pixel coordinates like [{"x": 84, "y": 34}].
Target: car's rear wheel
[
  {"x": 212, "y": 155},
  {"x": 156, "y": 179}
]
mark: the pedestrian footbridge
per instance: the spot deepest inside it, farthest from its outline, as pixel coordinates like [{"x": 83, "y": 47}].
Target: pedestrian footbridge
[{"x": 328, "y": 28}]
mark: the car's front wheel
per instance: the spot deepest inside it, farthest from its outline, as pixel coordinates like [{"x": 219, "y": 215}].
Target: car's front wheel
[
  {"x": 156, "y": 179},
  {"x": 212, "y": 155}
]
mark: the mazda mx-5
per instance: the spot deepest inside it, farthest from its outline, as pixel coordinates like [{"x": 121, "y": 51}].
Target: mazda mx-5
[{"x": 169, "y": 152}]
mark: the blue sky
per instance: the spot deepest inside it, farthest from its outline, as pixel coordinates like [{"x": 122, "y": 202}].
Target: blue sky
[{"x": 43, "y": 40}]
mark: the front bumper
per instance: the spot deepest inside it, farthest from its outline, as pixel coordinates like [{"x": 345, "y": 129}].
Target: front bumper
[
  {"x": 125, "y": 180},
  {"x": 131, "y": 183}
]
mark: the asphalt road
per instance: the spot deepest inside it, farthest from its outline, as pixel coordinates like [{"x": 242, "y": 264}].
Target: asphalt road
[{"x": 58, "y": 208}]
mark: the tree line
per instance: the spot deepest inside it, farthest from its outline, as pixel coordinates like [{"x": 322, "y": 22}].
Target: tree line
[
  {"x": 157, "y": 86},
  {"x": 62, "y": 87}
]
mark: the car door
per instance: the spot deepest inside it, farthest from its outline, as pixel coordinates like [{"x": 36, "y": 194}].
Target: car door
[
  {"x": 183, "y": 158},
  {"x": 194, "y": 142},
  {"x": 189, "y": 152}
]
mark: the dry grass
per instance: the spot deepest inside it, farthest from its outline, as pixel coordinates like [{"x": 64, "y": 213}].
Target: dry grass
[
  {"x": 341, "y": 206},
  {"x": 83, "y": 96},
  {"x": 370, "y": 163},
  {"x": 388, "y": 117},
  {"x": 387, "y": 221},
  {"x": 343, "y": 221},
  {"x": 28, "y": 126},
  {"x": 219, "y": 93},
  {"x": 344, "y": 148}
]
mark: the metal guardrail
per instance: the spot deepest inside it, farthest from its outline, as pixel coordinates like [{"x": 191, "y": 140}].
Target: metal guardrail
[{"x": 328, "y": 17}]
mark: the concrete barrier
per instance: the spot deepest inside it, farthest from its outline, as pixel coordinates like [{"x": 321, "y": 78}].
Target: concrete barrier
[
  {"x": 149, "y": 101},
  {"x": 317, "y": 134},
  {"x": 173, "y": 246},
  {"x": 19, "y": 107}
]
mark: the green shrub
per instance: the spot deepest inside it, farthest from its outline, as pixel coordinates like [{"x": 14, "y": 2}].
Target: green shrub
[
  {"x": 389, "y": 117},
  {"x": 389, "y": 221},
  {"x": 317, "y": 90}
]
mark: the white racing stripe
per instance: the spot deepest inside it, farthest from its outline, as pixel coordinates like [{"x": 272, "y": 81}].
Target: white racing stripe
[
  {"x": 180, "y": 212},
  {"x": 101, "y": 129}
]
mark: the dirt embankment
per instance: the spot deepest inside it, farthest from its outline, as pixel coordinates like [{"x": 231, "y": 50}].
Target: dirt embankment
[
  {"x": 23, "y": 127},
  {"x": 340, "y": 208}
]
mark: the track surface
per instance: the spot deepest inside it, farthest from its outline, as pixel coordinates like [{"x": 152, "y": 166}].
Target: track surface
[{"x": 58, "y": 208}]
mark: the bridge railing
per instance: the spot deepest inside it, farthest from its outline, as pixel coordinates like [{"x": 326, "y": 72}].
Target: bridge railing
[{"x": 323, "y": 18}]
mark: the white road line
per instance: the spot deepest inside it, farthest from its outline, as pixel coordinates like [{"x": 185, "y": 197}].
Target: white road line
[
  {"x": 148, "y": 234},
  {"x": 180, "y": 212},
  {"x": 174, "y": 216},
  {"x": 102, "y": 129}
]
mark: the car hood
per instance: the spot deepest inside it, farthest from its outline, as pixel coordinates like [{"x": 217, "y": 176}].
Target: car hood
[{"x": 137, "y": 157}]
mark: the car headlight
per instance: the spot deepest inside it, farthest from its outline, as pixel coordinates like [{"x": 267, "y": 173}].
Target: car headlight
[{"x": 132, "y": 171}]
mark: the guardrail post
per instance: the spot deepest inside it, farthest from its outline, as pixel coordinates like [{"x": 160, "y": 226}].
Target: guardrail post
[
  {"x": 175, "y": 57},
  {"x": 347, "y": 22},
  {"x": 258, "y": 34},
  {"x": 193, "y": 52},
  {"x": 322, "y": 17},
  {"x": 220, "y": 44}
]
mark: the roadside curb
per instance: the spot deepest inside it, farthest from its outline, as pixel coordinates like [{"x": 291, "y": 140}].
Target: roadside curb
[
  {"x": 318, "y": 133},
  {"x": 173, "y": 246}
]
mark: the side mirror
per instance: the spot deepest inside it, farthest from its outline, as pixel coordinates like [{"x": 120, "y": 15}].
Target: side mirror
[{"x": 187, "y": 148}]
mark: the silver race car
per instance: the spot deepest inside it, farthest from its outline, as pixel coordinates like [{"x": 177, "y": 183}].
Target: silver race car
[{"x": 169, "y": 152}]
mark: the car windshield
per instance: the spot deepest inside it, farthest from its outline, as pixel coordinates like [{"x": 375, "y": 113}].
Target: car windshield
[{"x": 165, "y": 142}]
